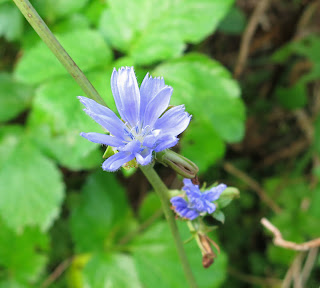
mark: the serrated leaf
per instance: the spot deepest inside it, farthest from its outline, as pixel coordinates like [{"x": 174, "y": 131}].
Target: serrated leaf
[
  {"x": 11, "y": 21},
  {"x": 22, "y": 255},
  {"x": 14, "y": 97},
  {"x": 155, "y": 249},
  {"x": 102, "y": 210},
  {"x": 209, "y": 93},
  {"x": 86, "y": 47},
  {"x": 32, "y": 190},
  {"x": 111, "y": 270},
  {"x": 149, "y": 31},
  {"x": 57, "y": 118}
]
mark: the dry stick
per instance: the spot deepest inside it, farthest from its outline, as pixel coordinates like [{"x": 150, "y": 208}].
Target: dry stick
[
  {"x": 294, "y": 268},
  {"x": 306, "y": 271},
  {"x": 57, "y": 273},
  {"x": 279, "y": 241},
  {"x": 247, "y": 36},
  {"x": 259, "y": 281},
  {"x": 253, "y": 185}
]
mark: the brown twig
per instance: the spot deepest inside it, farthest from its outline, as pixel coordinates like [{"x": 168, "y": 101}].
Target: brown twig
[
  {"x": 254, "y": 185},
  {"x": 57, "y": 272},
  {"x": 308, "y": 266},
  {"x": 254, "y": 280},
  {"x": 247, "y": 36},
  {"x": 279, "y": 241},
  {"x": 287, "y": 152}
]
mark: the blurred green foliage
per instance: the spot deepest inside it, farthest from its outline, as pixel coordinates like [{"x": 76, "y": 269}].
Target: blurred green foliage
[{"x": 57, "y": 206}]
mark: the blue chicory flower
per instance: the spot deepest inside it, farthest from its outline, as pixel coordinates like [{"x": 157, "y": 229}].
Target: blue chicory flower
[
  {"x": 145, "y": 127},
  {"x": 198, "y": 202}
]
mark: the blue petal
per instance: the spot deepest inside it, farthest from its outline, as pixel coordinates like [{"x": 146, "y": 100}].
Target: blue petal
[
  {"x": 214, "y": 193},
  {"x": 174, "y": 121},
  {"x": 132, "y": 147},
  {"x": 144, "y": 157},
  {"x": 103, "y": 116},
  {"x": 149, "y": 88},
  {"x": 166, "y": 143},
  {"x": 157, "y": 105},
  {"x": 178, "y": 202},
  {"x": 114, "y": 125},
  {"x": 126, "y": 94},
  {"x": 102, "y": 139},
  {"x": 114, "y": 162},
  {"x": 210, "y": 207}
]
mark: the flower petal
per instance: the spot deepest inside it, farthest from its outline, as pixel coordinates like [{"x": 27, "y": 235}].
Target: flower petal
[
  {"x": 157, "y": 105},
  {"x": 126, "y": 94},
  {"x": 97, "y": 108},
  {"x": 214, "y": 193},
  {"x": 113, "y": 124},
  {"x": 145, "y": 157},
  {"x": 114, "y": 162},
  {"x": 174, "y": 121},
  {"x": 166, "y": 142},
  {"x": 102, "y": 139},
  {"x": 149, "y": 88},
  {"x": 132, "y": 147}
]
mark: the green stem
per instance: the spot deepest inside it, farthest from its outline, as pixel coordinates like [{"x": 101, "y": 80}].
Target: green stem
[
  {"x": 46, "y": 35},
  {"x": 162, "y": 192}
]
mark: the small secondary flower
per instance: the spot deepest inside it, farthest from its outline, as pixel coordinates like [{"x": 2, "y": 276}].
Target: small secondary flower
[
  {"x": 145, "y": 125},
  {"x": 197, "y": 202}
]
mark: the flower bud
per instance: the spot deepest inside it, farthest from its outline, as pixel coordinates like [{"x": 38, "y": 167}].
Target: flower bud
[{"x": 178, "y": 163}]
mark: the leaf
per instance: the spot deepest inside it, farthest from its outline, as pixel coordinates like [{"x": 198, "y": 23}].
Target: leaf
[
  {"x": 11, "y": 21},
  {"x": 219, "y": 215},
  {"x": 23, "y": 256},
  {"x": 57, "y": 118},
  {"x": 293, "y": 97},
  {"x": 54, "y": 9},
  {"x": 102, "y": 210},
  {"x": 14, "y": 97},
  {"x": 234, "y": 23},
  {"x": 202, "y": 144},
  {"x": 150, "y": 31},
  {"x": 155, "y": 249},
  {"x": 32, "y": 190},
  {"x": 111, "y": 270},
  {"x": 86, "y": 47},
  {"x": 208, "y": 91}
]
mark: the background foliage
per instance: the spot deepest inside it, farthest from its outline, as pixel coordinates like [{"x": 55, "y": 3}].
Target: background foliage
[{"x": 58, "y": 209}]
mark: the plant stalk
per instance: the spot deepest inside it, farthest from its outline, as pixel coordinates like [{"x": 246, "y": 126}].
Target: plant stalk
[
  {"x": 162, "y": 192},
  {"x": 51, "y": 41}
]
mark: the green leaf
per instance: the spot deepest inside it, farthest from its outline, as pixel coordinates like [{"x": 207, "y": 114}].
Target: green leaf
[
  {"x": 293, "y": 97},
  {"x": 57, "y": 118},
  {"x": 32, "y": 191},
  {"x": 14, "y": 97},
  {"x": 202, "y": 144},
  {"x": 86, "y": 47},
  {"x": 111, "y": 270},
  {"x": 149, "y": 31},
  {"x": 209, "y": 93},
  {"x": 234, "y": 23},
  {"x": 219, "y": 215},
  {"x": 155, "y": 249},
  {"x": 54, "y": 9},
  {"x": 150, "y": 205},
  {"x": 102, "y": 210},
  {"x": 11, "y": 21},
  {"x": 316, "y": 142},
  {"x": 22, "y": 255}
]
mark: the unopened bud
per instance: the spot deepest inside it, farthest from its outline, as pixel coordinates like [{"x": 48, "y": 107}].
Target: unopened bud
[{"x": 178, "y": 163}]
